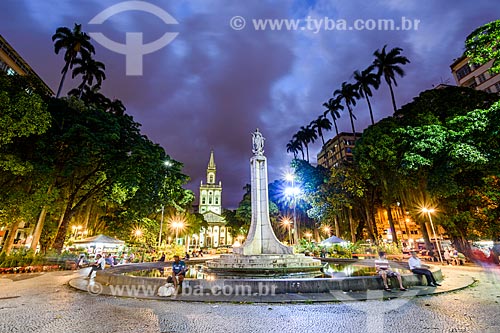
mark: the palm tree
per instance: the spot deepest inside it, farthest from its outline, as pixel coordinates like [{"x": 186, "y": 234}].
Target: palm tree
[
  {"x": 90, "y": 69},
  {"x": 348, "y": 93},
  {"x": 76, "y": 43},
  {"x": 294, "y": 147},
  {"x": 364, "y": 81},
  {"x": 332, "y": 107},
  {"x": 307, "y": 135},
  {"x": 320, "y": 124},
  {"x": 91, "y": 95},
  {"x": 387, "y": 65}
]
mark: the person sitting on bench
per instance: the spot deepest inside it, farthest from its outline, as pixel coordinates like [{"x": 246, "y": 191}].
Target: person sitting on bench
[
  {"x": 384, "y": 270},
  {"x": 417, "y": 268}
]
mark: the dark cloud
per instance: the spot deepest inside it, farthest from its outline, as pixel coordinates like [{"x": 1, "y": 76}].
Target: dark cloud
[{"x": 212, "y": 86}]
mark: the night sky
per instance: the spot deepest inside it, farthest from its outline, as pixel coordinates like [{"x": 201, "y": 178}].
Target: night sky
[{"x": 213, "y": 85}]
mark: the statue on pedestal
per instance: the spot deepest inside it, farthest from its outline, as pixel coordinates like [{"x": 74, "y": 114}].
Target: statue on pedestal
[{"x": 258, "y": 143}]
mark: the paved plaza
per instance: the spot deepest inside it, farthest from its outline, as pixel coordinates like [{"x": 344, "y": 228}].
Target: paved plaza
[{"x": 46, "y": 303}]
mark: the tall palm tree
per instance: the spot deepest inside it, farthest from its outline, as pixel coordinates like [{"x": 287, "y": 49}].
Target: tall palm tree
[
  {"x": 364, "y": 81},
  {"x": 76, "y": 43},
  {"x": 332, "y": 107},
  {"x": 89, "y": 69},
  {"x": 305, "y": 136},
  {"x": 294, "y": 147},
  {"x": 387, "y": 65},
  {"x": 91, "y": 95},
  {"x": 320, "y": 124},
  {"x": 348, "y": 93}
]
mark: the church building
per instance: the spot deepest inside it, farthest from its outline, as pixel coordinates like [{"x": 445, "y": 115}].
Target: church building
[{"x": 210, "y": 206}]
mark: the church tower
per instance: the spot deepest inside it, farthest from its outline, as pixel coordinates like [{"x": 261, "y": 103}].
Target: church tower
[
  {"x": 211, "y": 193},
  {"x": 210, "y": 207}
]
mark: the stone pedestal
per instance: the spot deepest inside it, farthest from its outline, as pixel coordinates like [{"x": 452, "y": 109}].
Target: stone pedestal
[
  {"x": 261, "y": 238},
  {"x": 262, "y": 252}
]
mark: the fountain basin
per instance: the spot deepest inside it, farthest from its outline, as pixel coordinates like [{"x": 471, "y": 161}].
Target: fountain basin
[{"x": 115, "y": 276}]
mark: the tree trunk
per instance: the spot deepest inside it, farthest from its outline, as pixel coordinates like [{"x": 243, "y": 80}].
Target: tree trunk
[
  {"x": 369, "y": 108},
  {"x": 337, "y": 227},
  {"x": 391, "y": 225},
  {"x": 38, "y": 229},
  {"x": 352, "y": 121},
  {"x": 63, "y": 229},
  {"x": 351, "y": 225},
  {"x": 425, "y": 233},
  {"x": 65, "y": 71},
  {"x": 337, "y": 131},
  {"x": 9, "y": 242},
  {"x": 392, "y": 97}
]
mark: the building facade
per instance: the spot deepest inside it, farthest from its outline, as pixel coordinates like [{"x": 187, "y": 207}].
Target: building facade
[
  {"x": 210, "y": 206},
  {"x": 338, "y": 149},
  {"x": 474, "y": 76},
  {"x": 13, "y": 64}
]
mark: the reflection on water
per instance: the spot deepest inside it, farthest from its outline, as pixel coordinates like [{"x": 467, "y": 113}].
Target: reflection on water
[{"x": 199, "y": 271}]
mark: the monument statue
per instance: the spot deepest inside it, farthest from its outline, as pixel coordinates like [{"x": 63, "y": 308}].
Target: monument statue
[
  {"x": 258, "y": 142},
  {"x": 262, "y": 252}
]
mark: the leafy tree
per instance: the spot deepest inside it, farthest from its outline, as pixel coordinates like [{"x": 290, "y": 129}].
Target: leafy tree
[
  {"x": 388, "y": 65},
  {"x": 23, "y": 114},
  {"x": 483, "y": 45}
]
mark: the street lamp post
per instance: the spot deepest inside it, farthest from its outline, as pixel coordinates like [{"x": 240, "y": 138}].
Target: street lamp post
[
  {"x": 161, "y": 225},
  {"x": 308, "y": 235},
  {"x": 429, "y": 211},
  {"x": 293, "y": 192}
]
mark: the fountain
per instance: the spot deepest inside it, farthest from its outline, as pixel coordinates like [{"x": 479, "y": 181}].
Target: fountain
[
  {"x": 261, "y": 265},
  {"x": 262, "y": 254}
]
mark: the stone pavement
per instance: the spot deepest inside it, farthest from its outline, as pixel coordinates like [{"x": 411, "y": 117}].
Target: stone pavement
[
  {"x": 454, "y": 279},
  {"x": 46, "y": 304}
]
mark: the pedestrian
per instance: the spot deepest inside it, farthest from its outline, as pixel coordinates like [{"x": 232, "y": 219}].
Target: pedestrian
[
  {"x": 447, "y": 256},
  {"x": 178, "y": 271},
  {"x": 417, "y": 268},
  {"x": 98, "y": 265},
  {"x": 385, "y": 271}
]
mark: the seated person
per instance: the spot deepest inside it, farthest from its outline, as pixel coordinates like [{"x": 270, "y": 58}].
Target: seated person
[
  {"x": 384, "y": 270},
  {"x": 417, "y": 268},
  {"x": 98, "y": 265},
  {"x": 179, "y": 270}
]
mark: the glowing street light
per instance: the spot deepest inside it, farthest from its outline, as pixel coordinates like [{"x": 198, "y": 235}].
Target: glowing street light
[
  {"x": 137, "y": 233},
  {"x": 177, "y": 225},
  {"x": 327, "y": 230},
  {"x": 288, "y": 224},
  {"x": 308, "y": 235},
  {"x": 428, "y": 211}
]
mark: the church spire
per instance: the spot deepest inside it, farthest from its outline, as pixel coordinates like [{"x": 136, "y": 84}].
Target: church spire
[
  {"x": 211, "y": 163},
  {"x": 211, "y": 169}
]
